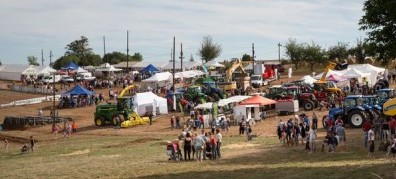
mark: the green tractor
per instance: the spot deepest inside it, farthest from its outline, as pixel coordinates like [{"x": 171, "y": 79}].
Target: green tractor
[
  {"x": 108, "y": 112},
  {"x": 194, "y": 94}
]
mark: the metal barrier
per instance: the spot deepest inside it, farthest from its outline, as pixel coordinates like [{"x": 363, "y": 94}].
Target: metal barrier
[
  {"x": 24, "y": 121},
  {"x": 31, "y": 89}
]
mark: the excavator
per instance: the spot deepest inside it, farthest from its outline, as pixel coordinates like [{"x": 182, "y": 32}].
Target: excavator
[
  {"x": 229, "y": 84},
  {"x": 123, "y": 109},
  {"x": 328, "y": 86}
]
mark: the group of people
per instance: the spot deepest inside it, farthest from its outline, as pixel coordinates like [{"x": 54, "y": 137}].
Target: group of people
[
  {"x": 383, "y": 132},
  {"x": 203, "y": 146},
  {"x": 67, "y": 129}
]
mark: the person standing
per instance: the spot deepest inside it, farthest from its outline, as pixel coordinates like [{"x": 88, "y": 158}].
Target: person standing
[
  {"x": 371, "y": 138},
  {"x": 117, "y": 122},
  {"x": 340, "y": 135},
  {"x": 151, "y": 118},
  {"x": 172, "y": 122},
  {"x": 385, "y": 131},
  {"x": 6, "y": 144},
  {"x": 392, "y": 126},
  {"x": 213, "y": 144},
  {"x": 32, "y": 142},
  {"x": 312, "y": 139},
  {"x": 366, "y": 127},
  {"x": 219, "y": 138},
  {"x": 199, "y": 147},
  {"x": 314, "y": 121},
  {"x": 74, "y": 126},
  {"x": 177, "y": 122},
  {"x": 54, "y": 130},
  {"x": 202, "y": 121},
  {"x": 187, "y": 146}
]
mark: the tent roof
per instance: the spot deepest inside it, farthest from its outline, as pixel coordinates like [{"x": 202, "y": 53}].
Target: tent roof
[
  {"x": 147, "y": 98},
  {"x": 308, "y": 79},
  {"x": 45, "y": 70},
  {"x": 23, "y": 69},
  {"x": 354, "y": 73},
  {"x": 257, "y": 100},
  {"x": 189, "y": 74},
  {"x": 159, "y": 77},
  {"x": 336, "y": 78},
  {"x": 232, "y": 99},
  {"x": 78, "y": 90},
  {"x": 367, "y": 68},
  {"x": 81, "y": 70},
  {"x": 108, "y": 68},
  {"x": 70, "y": 66},
  {"x": 204, "y": 106},
  {"x": 149, "y": 69},
  {"x": 214, "y": 64}
]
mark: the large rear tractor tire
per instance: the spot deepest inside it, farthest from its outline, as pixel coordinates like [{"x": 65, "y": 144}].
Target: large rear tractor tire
[
  {"x": 309, "y": 105},
  {"x": 324, "y": 121},
  {"x": 356, "y": 119},
  {"x": 100, "y": 121}
]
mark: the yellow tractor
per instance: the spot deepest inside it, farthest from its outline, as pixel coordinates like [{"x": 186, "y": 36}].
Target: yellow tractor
[{"x": 229, "y": 84}]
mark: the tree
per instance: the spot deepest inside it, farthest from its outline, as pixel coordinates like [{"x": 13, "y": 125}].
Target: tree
[
  {"x": 361, "y": 50},
  {"x": 246, "y": 57},
  {"x": 209, "y": 50},
  {"x": 62, "y": 61},
  {"x": 339, "y": 51},
  {"x": 313, "y": 54},
  {"x": 294, "y": 51},
  {"x": 91, "y": 59},
  {"x": 137, "y": 57},
  {"x": 32, "y": 60},
  {"x": 114, "y": 57},
  {"x": 379, "y": 20},
  {"x": 79, "y": 48}
]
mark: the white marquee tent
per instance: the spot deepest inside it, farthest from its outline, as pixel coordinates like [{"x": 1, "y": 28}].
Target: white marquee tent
[
  {"x": 45, "y": 70},
  {"x": 149, "y": 102},
  {"x": 308, "y": 80},
  {"x": 14, "y": 71},
  {"x": 214, "y": 64}
]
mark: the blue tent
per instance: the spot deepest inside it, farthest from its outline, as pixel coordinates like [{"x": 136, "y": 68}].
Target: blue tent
[
  {"x": 70, "y": 66},
  {"x": 78, "y": 90},
  {"x": 149, "y": 69}
]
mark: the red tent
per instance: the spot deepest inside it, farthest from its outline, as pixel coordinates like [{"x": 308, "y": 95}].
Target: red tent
[{"x": 258, "y": 100}]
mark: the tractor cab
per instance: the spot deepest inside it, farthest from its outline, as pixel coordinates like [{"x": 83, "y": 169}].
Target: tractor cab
[
  {"x": 276, "y": 92},
  {"x": 292, "y": 92},
  {"x": 327, "y": 86},
  {"x": 385, "y": 94},
  {"x": 124, "y": 103}
]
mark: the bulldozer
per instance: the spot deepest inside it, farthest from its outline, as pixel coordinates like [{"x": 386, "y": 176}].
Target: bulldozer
[{"x": 107, "y": 113}]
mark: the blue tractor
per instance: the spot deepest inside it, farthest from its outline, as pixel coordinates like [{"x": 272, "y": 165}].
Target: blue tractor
[
  {"x": 354, "y": 111},
  {"x": 385, "y": 94}
]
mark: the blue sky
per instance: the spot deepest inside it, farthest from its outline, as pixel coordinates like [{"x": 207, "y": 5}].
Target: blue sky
[{"x": 28, "y": 26}]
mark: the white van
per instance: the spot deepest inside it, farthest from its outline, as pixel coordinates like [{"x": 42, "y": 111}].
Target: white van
[
  {"x": 50, "y": 79},
  {"x": 85, "y": 76}
]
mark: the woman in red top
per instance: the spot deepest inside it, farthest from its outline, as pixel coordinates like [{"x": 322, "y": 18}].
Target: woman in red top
[{"x": 213, "y": 144}]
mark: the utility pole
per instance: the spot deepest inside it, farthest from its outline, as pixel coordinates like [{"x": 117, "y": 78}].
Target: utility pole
[
  {"x": 128, "y": 51},
  {"x": 53, "y": 98},
  {"x": 42, "y": 57},
  {"x": 171, "y": 59},
  {"x": 279, "y": 45},
  {"x": 253, "y": 57},
  {"x": 50, "y": 58},
  {"x": 104, "y": 49},
  {"x": 173, "y": 74},
  {"x": 181, "y": 57}
]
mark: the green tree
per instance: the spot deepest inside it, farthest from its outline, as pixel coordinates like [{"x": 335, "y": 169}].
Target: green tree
[
  {"x": 362, "y": 50},
  {"x": 379, "y": 20},
  {"x": 294, "y": 51},
  {"x": 91, "y": 59},
  {"x": 209, "y": 50},
  {"x": 313, "y": 54},
  {"x": 32, "y": 60},
  {"x": 246, "y": 57},
  {"x": 339, "y": 51},
  {"x": 137, "y": 57},
  {"x": 114, "y": 57},
  {"x": 81, "y": 49},
  {"x": 62, "y": 61}
]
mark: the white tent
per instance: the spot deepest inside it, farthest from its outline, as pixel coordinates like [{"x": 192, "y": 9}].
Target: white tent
[
  {"x": 107, "y": 68},
  {"x": 158, "y": 77},
  {"x": 214, "y": 64},
  {"x": 232, "y": 99},
  {"x": 354, "y": 73},
  {"x": 81, "y": 70},
  {"x": 149, "y": 102},
  {"x": 14, "y": 72},
  {"x": 45, "y": 70},
  {"x": 308, "y": 80},
  {"x": 330, "y": 72},
  {"x": 204, "y": 106},
  {"x": 189, "y": 74}
]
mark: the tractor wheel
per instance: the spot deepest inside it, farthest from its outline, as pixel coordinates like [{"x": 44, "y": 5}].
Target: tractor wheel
[
  {"x": 324, "y": 121},
  {"x": 379, "y": 85},
  {"x": 100, "y": 121},
  {"x": 316, "y": 104},
  {"x": 356, "y": 119},
  {"x": 308, "y": 105}
]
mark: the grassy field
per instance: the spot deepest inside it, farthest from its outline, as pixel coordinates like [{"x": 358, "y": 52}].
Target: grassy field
[{"x": 84, "y": 156}]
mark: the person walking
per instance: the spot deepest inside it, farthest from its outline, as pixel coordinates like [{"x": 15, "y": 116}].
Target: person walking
[
  {"x": 32, "y": 143},
  {"x": 151, "y": 118},
  {"x": 213, "y": 144},
  {"x": 54, "y": 130},
  {"x": 371, "y": 138},
  {"x": 177, "y": 122},
  {"x": 6, "y": 144},
  {"x": 219, "y": 138},
  {"x": 242, "y": 126},
  {"x": 117, "y": 122},
  {"x": 172, "y": 122},
  {"x": 74, "y": 126},
  {"x": 385, "y": 131},
  {"x": 366, "y": 127}
]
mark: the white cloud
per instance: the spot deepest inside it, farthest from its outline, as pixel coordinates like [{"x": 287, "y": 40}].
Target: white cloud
[{"x": 29, "y": 26}]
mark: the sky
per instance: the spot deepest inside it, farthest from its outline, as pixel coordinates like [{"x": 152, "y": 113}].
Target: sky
[{"x": 27, "y": 26}]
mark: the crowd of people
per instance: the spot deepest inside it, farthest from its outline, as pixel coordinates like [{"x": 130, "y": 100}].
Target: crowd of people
[{"x": 382, "y": 132}]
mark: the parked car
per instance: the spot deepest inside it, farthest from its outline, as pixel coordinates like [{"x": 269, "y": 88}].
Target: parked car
[
  {"x": 50, "y": 79},
  {"x": 66, "y": 79},
  {"x": 85, "y": 76}
]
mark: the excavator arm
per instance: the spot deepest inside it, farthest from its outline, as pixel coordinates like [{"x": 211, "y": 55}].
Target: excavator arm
[
  {"x": 330, "y": 66},
  {"x": 126, "y": 89},
  {"x": 236, "y": 65}
]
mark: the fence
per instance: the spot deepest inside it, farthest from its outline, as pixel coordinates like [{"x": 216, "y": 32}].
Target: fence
[
  {"x": 30, "y": 101},
  {"x": 31, "y": 89},
  {"x": 23, "y": 121}
]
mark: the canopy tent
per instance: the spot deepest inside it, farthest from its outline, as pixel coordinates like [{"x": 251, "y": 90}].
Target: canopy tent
[
  {"x": 189, "y": 74},
  {"x": 14, "y": 71},
  {"x": 45, "y": 70},
  {"x": 158, "y": 77},
  {"x": 149, "y": 102},
  {"x": 108, "y": 69},
  {"x": 105, "y": 65},
  {"x": 232, "y": 99},
  {"x": 204, "y": 106},
  {"x": 81, "y": 70},
  {"x": 257, "y": 100},
  {"x": 354, "y": 73},
  {"x": 330, "y": 72},
  {"x": 368, "y": 68},
  {"x": 70, "y": 66},
  {"x": 214, "y": 64},
  {"x": 78, "y": 90},
  {"x": 336, "y": 78},
  {"x": 149, "y": 69},
  {"x": 308, "y": 80}
]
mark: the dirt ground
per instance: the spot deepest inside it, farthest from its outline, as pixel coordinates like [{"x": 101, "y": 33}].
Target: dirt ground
[{"x": 84, "y": 118}]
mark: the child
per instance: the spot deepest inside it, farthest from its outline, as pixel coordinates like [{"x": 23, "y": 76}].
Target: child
[{"x": 6, "y": 144}]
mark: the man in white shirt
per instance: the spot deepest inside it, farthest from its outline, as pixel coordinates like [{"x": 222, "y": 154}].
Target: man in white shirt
[{"x": 219, "y": 138}]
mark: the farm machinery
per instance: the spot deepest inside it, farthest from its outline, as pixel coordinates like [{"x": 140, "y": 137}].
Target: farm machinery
[
  {"x": 243, "y": 79},
  {"x": 107, "y": 113}
]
